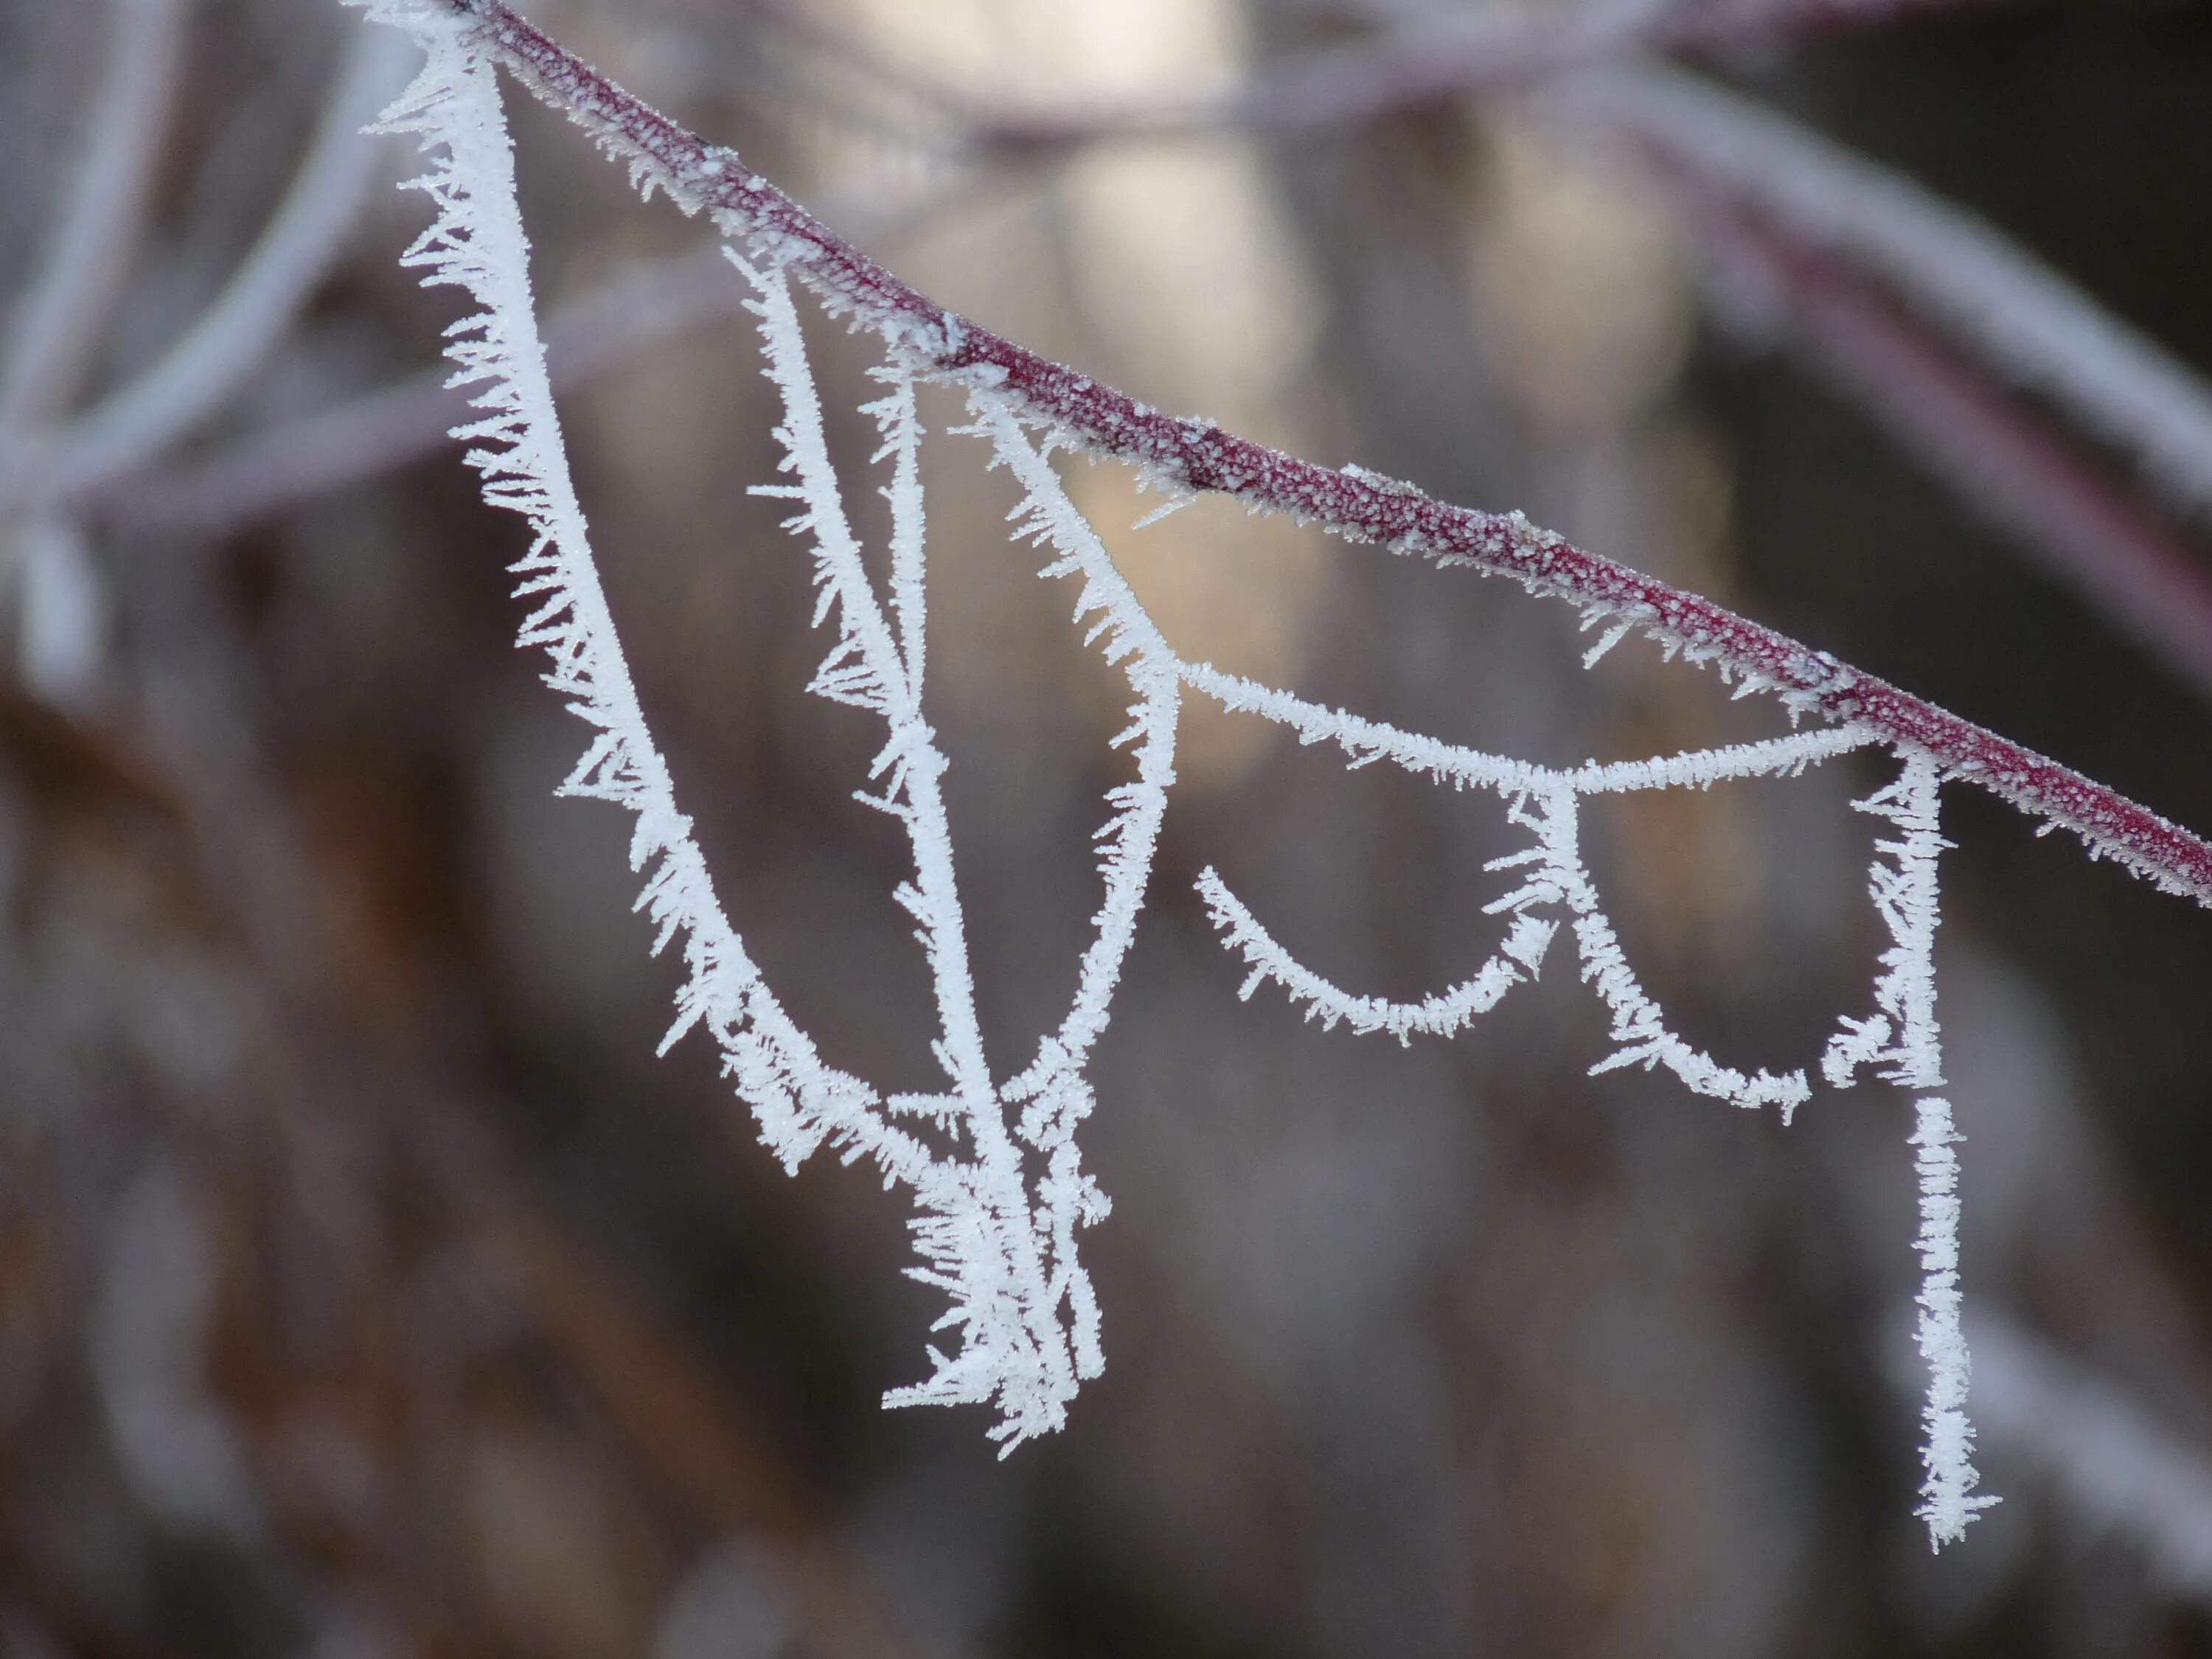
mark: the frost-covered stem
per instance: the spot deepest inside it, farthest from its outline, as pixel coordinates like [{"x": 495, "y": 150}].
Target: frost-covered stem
[
  {"x": 1443, "y": 1014},
  {"x": 1007, "y": 1266},
  {"x": 1196, "y": 455},
  {"x": 56, "y": 326},
  {"x": 256, "y": 306},
  {"x": 1367, "y": 741},
  {"x": 1948, "y": 1501},
  {"x": 2003, "y": 459},
  {"x": 1154, "y": 675},
  {"x": 1556, "y": 879},
  {"x": 1992, "y": 293},
  {"x": 478, "y": 243}
]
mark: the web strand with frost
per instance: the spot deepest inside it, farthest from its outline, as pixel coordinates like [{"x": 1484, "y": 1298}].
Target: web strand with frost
[{"x": 992, "y": 1162}]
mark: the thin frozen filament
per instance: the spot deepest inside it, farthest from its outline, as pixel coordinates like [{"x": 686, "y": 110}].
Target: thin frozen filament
[{"x": 993, "y": 1166}]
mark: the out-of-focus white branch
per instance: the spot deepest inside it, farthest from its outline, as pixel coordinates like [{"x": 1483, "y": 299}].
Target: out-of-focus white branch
[
  {"x": 2113, "y": 1466},
  {"x": 1425, "y": 51},
  {"x": 1995, "y": 297},
  {"x": 258, "y": 304},
  {"x": 367, "y": 436},
  {"x": 55, "y": 325},
  {"x": 1951, "y": 415}
]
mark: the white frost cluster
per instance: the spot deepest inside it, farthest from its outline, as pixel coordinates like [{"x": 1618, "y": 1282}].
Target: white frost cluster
[
  {"x": 1003, "y": 1252},
  {"x": 1555, "y": 887},
  {"x": 992, "y": 1164}
]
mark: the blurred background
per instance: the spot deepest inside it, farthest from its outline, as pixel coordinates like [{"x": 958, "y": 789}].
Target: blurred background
[{"x": 367, "y": 1288}]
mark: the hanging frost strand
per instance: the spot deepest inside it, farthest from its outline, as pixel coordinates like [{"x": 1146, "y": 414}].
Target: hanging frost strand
[
  {"x": 1905, "y": 1042},
  {"x": 997, "y": 1185},
  {"x": 1022, "y": 1308}
]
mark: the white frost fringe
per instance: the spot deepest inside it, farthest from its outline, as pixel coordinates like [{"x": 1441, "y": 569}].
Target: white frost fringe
[
  {"x": 999, "y": 1243},
  {"x": 1008, "y": 1267}
]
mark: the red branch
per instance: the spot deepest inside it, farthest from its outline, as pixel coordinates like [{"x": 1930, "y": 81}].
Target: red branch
[{"x": 1196, "y": 455}]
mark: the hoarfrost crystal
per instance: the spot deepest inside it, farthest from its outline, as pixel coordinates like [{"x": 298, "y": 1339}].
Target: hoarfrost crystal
[{"x": 991, "y": 1164}]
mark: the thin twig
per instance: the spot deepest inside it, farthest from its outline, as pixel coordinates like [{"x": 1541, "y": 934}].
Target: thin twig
[{"x": 1194, "y": 455}]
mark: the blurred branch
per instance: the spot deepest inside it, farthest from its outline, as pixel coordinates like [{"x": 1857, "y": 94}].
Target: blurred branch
[
  {"x": 258, "y": 305},
  {"x": 2117, "y": 1469},
  {"x": 1948, "y": 415},
  {"x": 295, "y": 461},
  {"x": 1443, "y": 53},
  {"x": 57, "y": 325},
  {"x": 2027, "y": 319}
]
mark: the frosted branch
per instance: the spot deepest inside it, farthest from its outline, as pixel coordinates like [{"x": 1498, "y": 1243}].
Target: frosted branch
[
  {"x": 2115, "y": 1468},
  {"x": 476, "y": 243},
  {"x": 1905, "y": 1040},
  {"x": 1192, "y": 456},
  {"x": 1000, "y": 1244},
  {"x": 867, "y": 668}
]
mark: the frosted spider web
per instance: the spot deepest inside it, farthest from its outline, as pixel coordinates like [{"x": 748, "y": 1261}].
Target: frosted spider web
[{"x": 1000, "y": 1241}]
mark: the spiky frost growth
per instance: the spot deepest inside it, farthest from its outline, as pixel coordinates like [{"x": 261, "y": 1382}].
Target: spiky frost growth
[
  {"x": 1021, "y": 1305},
  {"x": 1546, "y": 800},
  {"x": 1905, "y": 1041},
  {"x": 992, "y": 1167},
  {"x": 1442, "y": 1014}
]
